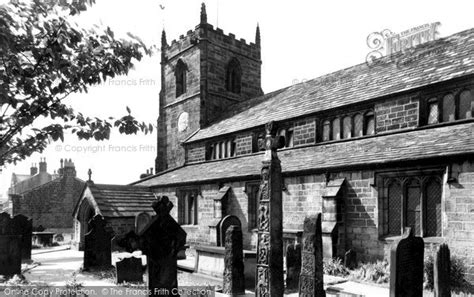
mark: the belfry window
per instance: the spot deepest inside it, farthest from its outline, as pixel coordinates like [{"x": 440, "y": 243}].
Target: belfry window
[
  {"x": 180, "y": 75},
  {"x": 234, "y": 76}
]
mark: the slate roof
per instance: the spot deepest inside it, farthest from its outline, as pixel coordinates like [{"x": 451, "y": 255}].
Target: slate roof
[
  {"x": 122, "y": 200},
  {"x": 429, "y": 63},
  {"x": 413, "y": 145}
]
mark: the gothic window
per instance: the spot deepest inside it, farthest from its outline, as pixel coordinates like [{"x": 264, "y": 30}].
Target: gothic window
[
  {"x": 336, "y": 129},
  {"x": 188, "y": 207},
  {"x": 347, "y": 127},
  {"x": 369, "y": 123},
  {"x": 252, "y": 191},
  {"x": 413, "y": 200},
  {"x": 358, "y": 125},
  {"x": 234, "y": 76},
  {"x": 326, "y": 130},
  {"x": 180, "y": 75},
  {"x": 466, "y": 105}
]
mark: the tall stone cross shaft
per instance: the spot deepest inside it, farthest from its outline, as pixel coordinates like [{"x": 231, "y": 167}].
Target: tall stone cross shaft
[{"x": 269, "y": 274}]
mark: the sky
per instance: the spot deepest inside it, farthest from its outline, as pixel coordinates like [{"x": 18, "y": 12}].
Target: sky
[{"x": 301, "y": 40}]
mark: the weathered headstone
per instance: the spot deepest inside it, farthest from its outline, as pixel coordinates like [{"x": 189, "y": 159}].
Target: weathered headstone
[
  {"x": 406, "y": 266},
  {"x": 311, "y": 278},
  {"x": 97, "y": 249},
  {"x": 350, "y": 259},
  {"x": 160, "y": 241},
  {"x": 224, "y": 224},
  {"x": 293, "y": 266},
  {"x": 269, "y": 270},
  {"x": 234, "y": 281},
  {"x": 129, "y": 270},
  {"x": 442, "y": 272},
  {"x": 23, "y": 226},
  {"x": 10, "y": 246},
  {"x": 141, "y": 220}
]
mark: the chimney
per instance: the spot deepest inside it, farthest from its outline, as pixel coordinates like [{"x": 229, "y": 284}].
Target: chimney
[
  {"x": 33, "y": 169},
  {"x": 69, "y": 168},
  {"x": 42, "y": 165}
]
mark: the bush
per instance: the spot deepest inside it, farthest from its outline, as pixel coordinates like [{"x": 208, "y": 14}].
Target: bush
[
  {"x": 457, "y": 278},
  {"x": 378, "y": 272},
  {"x": 335, "y": 267}
]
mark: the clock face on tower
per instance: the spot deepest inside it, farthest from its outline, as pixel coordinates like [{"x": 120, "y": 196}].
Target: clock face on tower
[{"x": 183, "y": 121}]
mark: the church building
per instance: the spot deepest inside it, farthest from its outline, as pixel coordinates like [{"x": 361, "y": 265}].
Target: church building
[{"x": 375, "y": 148}]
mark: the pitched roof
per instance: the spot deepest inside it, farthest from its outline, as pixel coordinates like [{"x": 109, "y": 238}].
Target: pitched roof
[
  {"x": 429, "y": 63},
  {"x": 381, "y": 149},
  {"x": 122, "y": 200}
]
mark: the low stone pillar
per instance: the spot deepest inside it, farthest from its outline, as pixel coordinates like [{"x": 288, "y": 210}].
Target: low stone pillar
[{"x": 234, "y": 281}]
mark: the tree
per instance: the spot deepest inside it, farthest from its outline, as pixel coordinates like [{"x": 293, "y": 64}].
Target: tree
[{"x": 45, "y": 57}]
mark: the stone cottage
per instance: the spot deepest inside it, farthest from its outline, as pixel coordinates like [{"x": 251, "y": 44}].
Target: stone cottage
[
  {"x": 48, "y": 199},
  {"x": 375, "y": 148}
]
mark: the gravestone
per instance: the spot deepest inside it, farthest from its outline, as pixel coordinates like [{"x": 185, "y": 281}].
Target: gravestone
[
  {"x": 311, "y": 278},
  {"x": 269, "y": 270},
  {"x": 442, "y": 272},
  {"x": 141, "y": 220},
  {"x": 350, "y": 259},
  {"x": 406, "y": 266},
  {"x": 234, "y": 281},
  {"x": 23, "y": 226},
  {"x": 160, "y": 241},
  {"x": 129, "y": 270},
  {"x": 10, "y": 246},
  {"x": 293, "y": 266},
  {"x": 97, "y": 248},
  {"x": 224, "y": 224}
]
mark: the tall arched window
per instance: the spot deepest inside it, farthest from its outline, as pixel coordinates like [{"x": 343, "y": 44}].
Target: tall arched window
[
  {"x": 369, "y": 123},
  {"x": 413, "y": 205},
  {"x": 448, "y": 108},
  {"x": 433, "y": 111},
  {"x": 394, "y": 208},
  {"x": 358, "y": 125},
  {"x": 336, "y": 129},
  {"x": 180, "y": 75},
  {"x": 347, "y": 127},
  {"x": 234, "y": 76},
  {"x": 433, "y": 208},
  {"x": 466, "y": 105},
  {"x": 326, "y": 130}
]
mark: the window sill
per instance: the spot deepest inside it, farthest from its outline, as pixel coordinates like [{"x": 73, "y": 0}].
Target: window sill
[{"x": 189, "y": 226}]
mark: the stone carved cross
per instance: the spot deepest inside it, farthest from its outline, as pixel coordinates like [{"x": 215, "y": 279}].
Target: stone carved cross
[
  {"x": 269, "y": 270},
  {"x": 272, "y": 143}
]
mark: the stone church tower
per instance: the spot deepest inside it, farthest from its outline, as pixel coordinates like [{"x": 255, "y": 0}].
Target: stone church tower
[{"x": 202, "y": 75}]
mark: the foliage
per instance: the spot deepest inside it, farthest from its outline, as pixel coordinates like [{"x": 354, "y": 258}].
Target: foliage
[
  {"x": 378, "y": 272},
  {"x": 457, "y": 276},
  {"x": 335, "y": 267},
  {"x": 44, "y": 57},
  {"x": 73, "y": 287}
]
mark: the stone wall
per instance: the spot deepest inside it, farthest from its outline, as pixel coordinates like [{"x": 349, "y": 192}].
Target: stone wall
[
  {"x": 243, "y": 144},
  {"x": 121, "y": 225},
  {"x": 398, "y": 113},
  {"x": 304, "y": 132},
  {"x": 458, "y": 225},
  {"x": 196, "y": 153}
]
